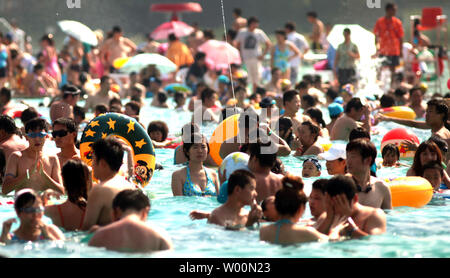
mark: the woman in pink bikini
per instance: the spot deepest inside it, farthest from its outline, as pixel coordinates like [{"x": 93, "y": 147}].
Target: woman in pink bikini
[
  {"x": 77, "y": 182},
  {"x": 50, "y": 57}
]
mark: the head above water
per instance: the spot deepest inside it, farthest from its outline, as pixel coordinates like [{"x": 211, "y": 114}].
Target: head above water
[{"x": 290, "y": 198}]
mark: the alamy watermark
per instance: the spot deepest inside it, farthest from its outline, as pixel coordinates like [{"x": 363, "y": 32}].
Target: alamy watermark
[
  {"x": 74, "y": 4},
  {"x": 373, "y": 4}
]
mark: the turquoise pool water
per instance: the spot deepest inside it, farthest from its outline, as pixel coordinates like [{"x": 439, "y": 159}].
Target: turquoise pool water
[{"x": 410, "y": 232}]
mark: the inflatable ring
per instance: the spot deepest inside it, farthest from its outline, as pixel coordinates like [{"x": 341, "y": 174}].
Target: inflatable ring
[
  {"x": 130, "y": 131},
  {"x": 401, "y": 112},
  {"x": 15, "y": 111},
  {"x": 396, "y": 136},
  {"x": 410, "y": 191},
  {"x": 227, "y": 129}
]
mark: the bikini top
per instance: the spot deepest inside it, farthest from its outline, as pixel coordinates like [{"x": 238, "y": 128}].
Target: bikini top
[
  {"x": 278, "y": 224},
  {"x": 16, "y": 238},
  {"x": 191, "y": 189}
]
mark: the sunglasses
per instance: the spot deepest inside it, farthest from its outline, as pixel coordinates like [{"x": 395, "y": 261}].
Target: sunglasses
[
  {"x": 59, "y": 133},
  {"x": 36, "y": 134},
  {"x": 39, "y": 209}
]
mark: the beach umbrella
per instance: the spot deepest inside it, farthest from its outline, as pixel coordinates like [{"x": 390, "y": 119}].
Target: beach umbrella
[
  {"x": 364, "y": 39},
  {"x": 220, "y": 54},
  {"x": 79, "y": 31},
  {"x": 179, "y": 28},
  {"x": 140, "y": 61}
]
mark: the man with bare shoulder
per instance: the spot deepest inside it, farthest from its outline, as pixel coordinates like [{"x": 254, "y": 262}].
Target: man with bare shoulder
[
  {"x": 345, "y": 215},
  {"x": 64, "y": 107},
  {"x": 318, "y": 32},
  {"x": 104, "y": 95},
  {"x": 129, "y": 232},
  {"x": 32, "y": 168},
  {"x": 354, "y": 110},
  {"x": 107, "y": 159},
  {"x": 372, "y": 192},
  {"x": 11, "y": 139},
  {"x": 116, "y": 47},
  {"x": 65, "y": 135},
  {"x": 262, "y": 159},
  {"x": 292, "y": 104}
]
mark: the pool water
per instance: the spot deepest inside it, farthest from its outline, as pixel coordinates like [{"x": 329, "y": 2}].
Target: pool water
[{"x": 410, "y": 232}]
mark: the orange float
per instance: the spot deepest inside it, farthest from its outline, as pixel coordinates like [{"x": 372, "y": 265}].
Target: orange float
[{"x": 225, "y": 130}]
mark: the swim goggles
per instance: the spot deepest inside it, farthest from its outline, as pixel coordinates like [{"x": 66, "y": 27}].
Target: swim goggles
[
  {"x": 39, "y": 209},
  {"x": 315, "y": 162},
  {"x": 59, "y": 133},
  {"x": 37, "y": 134}
]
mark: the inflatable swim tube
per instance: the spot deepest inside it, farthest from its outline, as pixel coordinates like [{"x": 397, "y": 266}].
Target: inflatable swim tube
[
  {"x": 410, "y": 192},
  {"x": 396, "y": 136},
  {"x": 227, "y": 129},
  {"x": 130, "y": 131},
  {"x": 401, "y": 112},
  {"x": 15, "y": 111}
]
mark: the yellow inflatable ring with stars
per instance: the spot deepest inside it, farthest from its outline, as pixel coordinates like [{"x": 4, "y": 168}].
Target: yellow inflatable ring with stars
[{"x": 131, "y": 132}]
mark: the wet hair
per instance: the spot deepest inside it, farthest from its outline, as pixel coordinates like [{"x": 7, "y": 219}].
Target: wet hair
[
  {"x": 239, "y": 178},
  {"x": 135, "y": 106},
  {"x": 314, "y": 129},
  {"x": 278, "y": 167},
  {"x": 390, "y": 148},
  {"x": 426, "y": 145},
  {"x": 207, "y": 93},
  {"x": 433, "y": 165},
  {"x": 316, "y": 114},
  {"x": 441, "y": 108},
  {"x": 79, "y": 111},
  {"x": 131, "y": 199},
  {"x": 6, "y": 92},
  {"x": 110, "y": 150},
  {"x": 158, "y": 126},
  {"x": 290, "y": 25},
  {"x": 387, "y": 101},
  {"x": 25, "y": 198},
  {"x": 28, "y": 114},
  {"x": 312, "y": 14},
  {"x": 320, "y": 185},
  {"x": 290, "y": 197},
  {"x": 36, "y": 124},
  {"x": 357, "y": 133},
  {"x": 441, "y": 143},
  {"x": 354, "y": 103},
  {"x": 310, "y": 100},
  {"x": 196, "y": 138},
  {"x": 8, "y": 125},
  {"x": 101, "y": 108},
  {"x": 69, "y": 123},
  {"x": 281, "y": 33},
  {"x": 341, "y": 184},
  {"x": 289, "y": 95},
  {"x": 75, "y": 175},
  {"x": 264, "y": 159},
  {"x": 365, "y": 148}
]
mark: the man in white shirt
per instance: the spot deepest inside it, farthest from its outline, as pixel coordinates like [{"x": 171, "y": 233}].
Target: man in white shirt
[
  {"x": 249, "y": 41},
  {"x": 301, "y": 43}
]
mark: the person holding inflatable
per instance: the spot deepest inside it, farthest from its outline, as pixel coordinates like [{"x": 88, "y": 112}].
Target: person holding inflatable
[
  {"x": 290, "y": 203},
  {"x": 29, "y": 210},
  {"x": 195, "y": 179},
  {"x": 342, "y": 202},
  {"x": 107, "y": 159},
  {"x": 307, "y": 135},
  {"x": 129, "y": 232}
]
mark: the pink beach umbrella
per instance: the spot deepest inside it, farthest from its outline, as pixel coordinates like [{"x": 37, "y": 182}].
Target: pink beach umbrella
[
  {"x": 220, "y": 54},
  {"x": 179, "y": 28}
]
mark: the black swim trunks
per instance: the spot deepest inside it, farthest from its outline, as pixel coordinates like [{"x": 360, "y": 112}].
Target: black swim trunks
[{"x": 391, "y": 61}]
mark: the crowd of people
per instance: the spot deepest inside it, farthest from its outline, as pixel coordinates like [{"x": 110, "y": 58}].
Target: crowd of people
[{"x": 280, "y": 117}]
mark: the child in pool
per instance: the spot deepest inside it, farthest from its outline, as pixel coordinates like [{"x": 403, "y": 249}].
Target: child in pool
[
  {"x": 433, "y": 172},
  {"x": 391, "y": 155},
  {"x": 268, "y": 208},
  {"x": 311, "y": 168}
]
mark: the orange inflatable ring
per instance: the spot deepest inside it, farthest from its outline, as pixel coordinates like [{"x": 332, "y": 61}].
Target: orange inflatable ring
[
  {"x": 410, "y": 192},
  {"x": 225, "y": 130}
]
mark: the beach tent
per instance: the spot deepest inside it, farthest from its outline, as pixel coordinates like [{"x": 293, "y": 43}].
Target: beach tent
[{"x": 364, "y": 39}]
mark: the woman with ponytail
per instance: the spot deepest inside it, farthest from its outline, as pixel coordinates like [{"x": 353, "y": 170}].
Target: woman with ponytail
[
  {"x": 77, "y": 183},
  {"x": 290, "y": 203}
]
